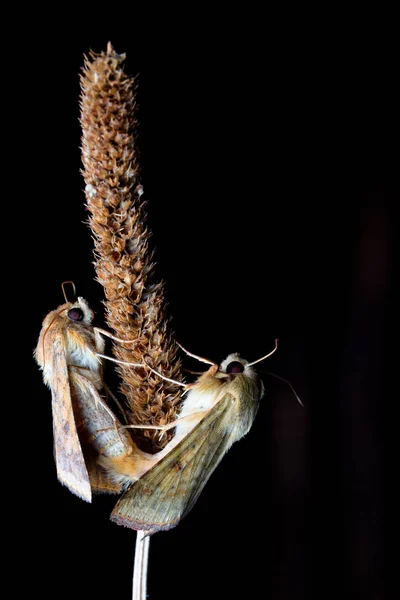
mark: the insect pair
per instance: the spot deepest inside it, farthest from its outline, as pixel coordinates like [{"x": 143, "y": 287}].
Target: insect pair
[{"x": 95, "y": 452}]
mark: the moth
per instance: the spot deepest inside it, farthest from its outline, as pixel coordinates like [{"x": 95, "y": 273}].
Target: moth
[
  {"x": 218, "y": 410},
  {"x": 85, "y": 429}
]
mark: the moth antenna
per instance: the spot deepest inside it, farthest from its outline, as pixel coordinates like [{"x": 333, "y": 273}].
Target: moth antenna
[
  {"x": 63, "y": 289},
  {"x": 264, "y": 357},
  {"x": 110, "y": 335},
  {"x": 143, "y": 365},
  {"x": 200, "y": 358},
  {"x": 290, "y": 385}
]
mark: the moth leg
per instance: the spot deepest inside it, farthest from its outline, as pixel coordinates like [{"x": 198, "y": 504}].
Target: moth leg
[
  {"x": 117, "y": 402},
  {"x": 163, "y": 428},
  {"x": 113, "y": 417},
  {"x": 111, "y": 336},
  {"x": 87, "y": 375},
  {"x": 200, "y": 358},
  {"x": 143, "y": 366}
]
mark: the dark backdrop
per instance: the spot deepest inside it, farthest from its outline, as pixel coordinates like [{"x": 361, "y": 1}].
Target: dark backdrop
[{"x": 268, "y": 173}]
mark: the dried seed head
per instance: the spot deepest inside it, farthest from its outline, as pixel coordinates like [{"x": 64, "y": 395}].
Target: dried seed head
[{"x": 135, "y": 306}]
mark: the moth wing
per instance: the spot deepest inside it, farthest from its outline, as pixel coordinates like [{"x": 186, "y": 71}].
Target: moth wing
[
  {"x": 99, "y": 430},
  {"x": 70, "y": 462},
  {"x": 167, "y": 492}
]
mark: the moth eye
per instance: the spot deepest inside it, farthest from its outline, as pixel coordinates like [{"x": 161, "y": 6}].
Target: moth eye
[
  {"x": 75, "y": 314},
  {"x": 235, "y": 367}
]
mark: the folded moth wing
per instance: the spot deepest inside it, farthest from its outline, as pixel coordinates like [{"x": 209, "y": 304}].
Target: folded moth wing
[
  {"x": 218, "y": 410},
  {"x": 167, "y": 492},
  {"x": 100, "y": 432},
  {"x": 68, "y": 455},
  {"x": 84, "y": 427}
]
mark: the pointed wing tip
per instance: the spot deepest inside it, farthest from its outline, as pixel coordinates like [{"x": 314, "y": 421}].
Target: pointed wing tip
[{"x": 82, "y": 493}]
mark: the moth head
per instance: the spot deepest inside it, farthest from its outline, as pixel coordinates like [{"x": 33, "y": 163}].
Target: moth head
[
  {"x": 233, "y": 365},
  {"x": 238, "y": 372},
  {"x": 79, "y": 312},
  {"x": 70, "y": 312}
]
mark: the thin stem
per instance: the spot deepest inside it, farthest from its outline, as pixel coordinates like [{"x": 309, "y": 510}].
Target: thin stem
[{"x": 139, "y": 584}]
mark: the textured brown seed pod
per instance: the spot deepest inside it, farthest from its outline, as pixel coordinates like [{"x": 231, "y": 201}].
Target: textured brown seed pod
[{"x": 135, "y": 304}]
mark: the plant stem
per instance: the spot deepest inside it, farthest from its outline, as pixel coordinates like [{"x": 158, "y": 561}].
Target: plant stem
[{"x": 139, "y": 583}]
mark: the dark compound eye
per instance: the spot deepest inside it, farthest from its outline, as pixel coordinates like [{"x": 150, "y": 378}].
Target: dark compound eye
[
  {"x": 75, "y": 314},
  {"x": 235, "y": 367}
]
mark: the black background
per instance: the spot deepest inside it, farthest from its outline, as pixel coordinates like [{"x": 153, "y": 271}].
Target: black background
[{"x": 267, "y": 163}]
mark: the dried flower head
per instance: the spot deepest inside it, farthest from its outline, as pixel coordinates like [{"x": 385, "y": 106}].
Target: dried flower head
[{"x": 135, "y": 305}]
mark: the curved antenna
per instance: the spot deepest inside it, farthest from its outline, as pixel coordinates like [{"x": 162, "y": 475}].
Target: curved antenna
[
  {"x": 58, "y": 314},
  {"x": 264, "y": 357},
  {"x": 200, "y": 358},
  {"x": 63, "y": 289},
  {"x": 290, "y": 385}
]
